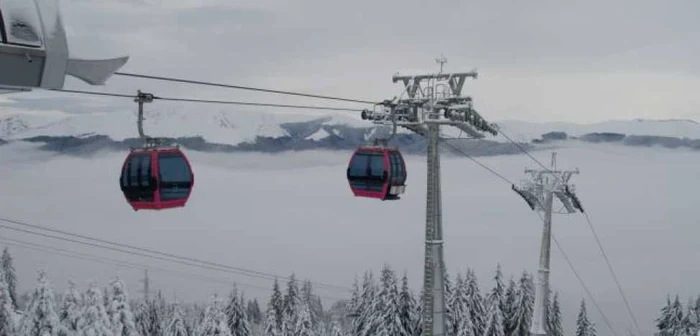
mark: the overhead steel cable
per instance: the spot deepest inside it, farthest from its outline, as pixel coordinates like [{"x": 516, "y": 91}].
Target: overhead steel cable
[
  {"x": 585, "y": 288},
  {"x": 456, "y": 149},
  {"x": 95, "y": 93},
  {"x": 306, "y": 107},
  {"x": 612, "y": 271},
  {"x": 109, "y": 261},
  {"x": 595, "y": 235},
  {"x": 209, "y": 101},
  {"x": 144, "y": 252},
  {"x": 241, "y": 87}
]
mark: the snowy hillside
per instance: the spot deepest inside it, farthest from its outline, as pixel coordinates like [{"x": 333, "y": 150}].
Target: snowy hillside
[
  {"x": 225, "y": 127},
  {"x": 528, "y": 131},
  {"x": 260, "y": 130}
]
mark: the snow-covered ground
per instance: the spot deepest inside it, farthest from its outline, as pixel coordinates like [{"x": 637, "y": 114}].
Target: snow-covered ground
[{"x": 295, "y": 212}]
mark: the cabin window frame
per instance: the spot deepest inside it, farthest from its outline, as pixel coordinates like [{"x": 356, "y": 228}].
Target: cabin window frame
[
  {"x": 3, "y": 34},
  {"x": 174, "y": 190}
]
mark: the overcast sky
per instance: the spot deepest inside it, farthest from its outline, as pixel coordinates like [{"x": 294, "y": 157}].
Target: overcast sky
[{"x": 537, "y": 60}]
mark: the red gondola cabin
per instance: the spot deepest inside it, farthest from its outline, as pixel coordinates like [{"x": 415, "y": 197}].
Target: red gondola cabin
[
  {"x": 156, "y": 178},
  {"x": 377, "y": 172}
]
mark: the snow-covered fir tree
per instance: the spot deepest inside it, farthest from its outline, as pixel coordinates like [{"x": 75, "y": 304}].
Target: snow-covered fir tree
[
  {"x": 8, "y": 271},
  {"x": 95, "y": 319},
  {"x": 690, "y": 320},
  {"x": 270, "y": 326},
  {"x": 584, "y": 327},
  {"x": 277, "y": 302},
  {"x": 105, "y": 297},
  {"x": 335, "y": 329},
  {"x": 352, "y": 308},
  {"x": 141, "y": 317},
  {"x": 176, "y": 326},
  {"x": 254, "y": 313},
  {"x": 157, "y": 314},
  {"x": 303, "y": 326},
  {"x": 407, "y": 307},
  {"x": 450, "y": 323},
  {"x": 70, "y": 312},
  {"x": 511, "y": 298},
  {"x": 498, "y": 293},
  {"x": 465, "y": 326},
  {"x": 292, "y": 303},
  {"x": 554, "y": 322},
  {"x": 494, "y": 322},
  {"x": 306, "y": 297},
  {"x": 151, "y": 316},
  {"x": 519, "y": 323},
  {"x": 41, "y": 318},
  {"x": 236, "y": 318},
  {"x": 315, "y": 306},
  {"x": 671, "y": 321},
  {"x": 457, "y": 306},
  {"x": 474, "y": 302},
  {"x": 214, "y": 321},
  {"x": 678, "y": 317},
  {"x": 418, "y": 326},
  {"x": 388, "y": 306},
  {"x": 7, "y": 311},
  {"x": 694, "y": 320},
  {"x": 363, "y": 312},
  {"x": 663, "y": 322},
  {"x": 119, "y": 310}
]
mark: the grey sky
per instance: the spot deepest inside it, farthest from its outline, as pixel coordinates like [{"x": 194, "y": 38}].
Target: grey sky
[{"x": 542, "y": 60}]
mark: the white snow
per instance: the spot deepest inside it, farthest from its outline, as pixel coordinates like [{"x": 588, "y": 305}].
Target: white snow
[
  {"x": 231, "y": 126},
  {"x": 320, "y": 134},
  {"x": 526, "y": 131}
]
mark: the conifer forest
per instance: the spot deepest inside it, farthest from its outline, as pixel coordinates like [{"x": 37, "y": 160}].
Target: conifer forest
[{"x": 381, "y": 304}]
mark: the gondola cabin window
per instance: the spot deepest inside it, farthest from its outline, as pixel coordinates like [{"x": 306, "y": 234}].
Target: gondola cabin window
[
  {"x": 20, "y": 23},
  {"x": 376, "y": 166},
  {"x": 137, "y": 181},
  {"x": 358, "y": 166},
  {"x": 175, "y": 176}
]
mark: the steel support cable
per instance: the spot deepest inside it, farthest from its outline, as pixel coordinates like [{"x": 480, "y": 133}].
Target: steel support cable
[
  {"x": 208, "y": 101},
  {"x": 225, "y": 102},
  {"x": 153, "y": 254},
  {"x": 527, "y": 153},
  {"x": 583, "y": 284},
  {"x": 571, "y": 265},
  {"x": 497, "y": 174},
  {"x": 241, "y": 87},
  {"x": 617, "y": 282},
  {"x": 109, "y": 261},
  {"x": 590, "y": 225}
]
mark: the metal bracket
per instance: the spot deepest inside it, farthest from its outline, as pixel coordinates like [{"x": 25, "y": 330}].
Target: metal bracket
[{"x": 142, "y": 98}]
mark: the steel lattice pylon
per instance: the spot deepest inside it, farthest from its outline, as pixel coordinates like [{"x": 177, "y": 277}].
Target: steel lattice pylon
[
  {"x": 433, "y": 100},
  {"x": 539, "y": 192}
]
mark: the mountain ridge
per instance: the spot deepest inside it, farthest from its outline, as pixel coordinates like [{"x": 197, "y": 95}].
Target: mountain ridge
[{"x": 227, "y": 131}]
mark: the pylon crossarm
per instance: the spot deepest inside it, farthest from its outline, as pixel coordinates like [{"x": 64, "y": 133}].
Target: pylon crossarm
[
  {"x": 565, "y": 201},
  {"x": 530, "y": 199}
]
